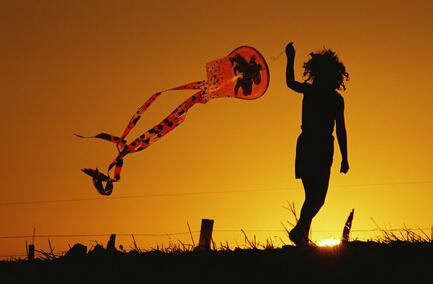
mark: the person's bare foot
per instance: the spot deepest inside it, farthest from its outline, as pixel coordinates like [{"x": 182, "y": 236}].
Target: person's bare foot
[{"x": 298, "y": 237}]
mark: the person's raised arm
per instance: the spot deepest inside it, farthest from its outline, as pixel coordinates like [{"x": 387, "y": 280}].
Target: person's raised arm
[
  {"x": 342, "y": 136},
  {"x": 290, "y": 73}
]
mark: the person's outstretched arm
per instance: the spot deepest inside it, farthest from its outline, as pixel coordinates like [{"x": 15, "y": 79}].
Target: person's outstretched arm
[
  {"x": 342, "y": 136},
  {"x": 290, "y": 73}
]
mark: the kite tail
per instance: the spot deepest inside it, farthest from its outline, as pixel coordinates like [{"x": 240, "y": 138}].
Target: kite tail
[
  {"x": 155, "y": 133},
  {"x": 136, "y": 117},
  {"x": 104, "y": 183},
  {"x": 98, "y": 178}
]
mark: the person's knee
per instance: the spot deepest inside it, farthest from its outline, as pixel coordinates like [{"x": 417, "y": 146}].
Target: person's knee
[
  {"x": 315, "y": 193},
  {"x": 320, "y": 195},
  {"x": 318, "y": 201},
  {"x": 321, "y": 202}
]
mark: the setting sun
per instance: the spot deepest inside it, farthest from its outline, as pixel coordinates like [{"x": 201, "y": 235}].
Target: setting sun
[{"x": 329, "y": 243}]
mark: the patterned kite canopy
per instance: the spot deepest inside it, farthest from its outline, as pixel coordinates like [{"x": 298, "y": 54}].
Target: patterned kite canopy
[{"x": 243, "y": 74}]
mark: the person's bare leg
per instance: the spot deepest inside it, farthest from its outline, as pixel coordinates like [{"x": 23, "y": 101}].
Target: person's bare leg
[
  {"x": 299, "y": 234},
  {"x": 315, "y": 193}
]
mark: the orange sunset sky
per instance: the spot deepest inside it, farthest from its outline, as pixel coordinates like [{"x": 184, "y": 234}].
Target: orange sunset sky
[{"x": 85, "y": 67}]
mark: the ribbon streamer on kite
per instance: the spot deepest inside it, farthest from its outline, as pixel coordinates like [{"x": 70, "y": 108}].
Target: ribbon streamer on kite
[{"x": 243, "y": 74}]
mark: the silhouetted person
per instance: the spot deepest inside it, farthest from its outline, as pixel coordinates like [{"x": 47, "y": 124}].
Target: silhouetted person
[{"x": 322, "y": 105}]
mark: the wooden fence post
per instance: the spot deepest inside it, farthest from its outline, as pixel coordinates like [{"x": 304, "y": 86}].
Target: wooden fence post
[
  {"x": 205, "y": 235},
  {"x": 111, "y": 245},
  {"x": 31, "y": 252},
  {"x": 31, "y": 248}
]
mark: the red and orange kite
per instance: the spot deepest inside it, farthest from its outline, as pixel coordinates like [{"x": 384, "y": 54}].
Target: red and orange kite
[{"x": 243, "y": 74}]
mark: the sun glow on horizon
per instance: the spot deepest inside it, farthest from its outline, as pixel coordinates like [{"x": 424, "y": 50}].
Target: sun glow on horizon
[{"x": 329, "y": 243}]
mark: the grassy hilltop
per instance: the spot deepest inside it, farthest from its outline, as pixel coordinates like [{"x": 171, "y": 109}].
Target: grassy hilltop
[{"x": 353, "y": 262}]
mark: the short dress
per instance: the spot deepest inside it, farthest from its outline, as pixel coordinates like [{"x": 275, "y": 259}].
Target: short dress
[{"x": 315, "y": 145}]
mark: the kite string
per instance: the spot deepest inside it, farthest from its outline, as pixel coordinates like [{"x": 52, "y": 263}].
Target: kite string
[{"x": 275, "y": 58}]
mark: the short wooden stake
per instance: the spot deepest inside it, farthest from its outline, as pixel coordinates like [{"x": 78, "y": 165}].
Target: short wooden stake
[
  {"x": 31, "y": 252},
  {"x": 205, "y": 235},
  {"x": 31, "y": 248},
  {"x": 111, "y": 245}
]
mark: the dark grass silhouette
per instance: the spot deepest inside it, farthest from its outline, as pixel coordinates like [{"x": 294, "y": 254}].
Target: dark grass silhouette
[
  {"x": 392, "y": 258},
  {"x": 403, "y": 257}
]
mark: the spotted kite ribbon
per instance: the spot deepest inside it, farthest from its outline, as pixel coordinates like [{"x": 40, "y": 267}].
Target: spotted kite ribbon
[{"x": 243, "y": 74}]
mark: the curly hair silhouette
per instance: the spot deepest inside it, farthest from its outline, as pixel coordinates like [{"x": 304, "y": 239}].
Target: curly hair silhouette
[{"x": 325, "y": 68}]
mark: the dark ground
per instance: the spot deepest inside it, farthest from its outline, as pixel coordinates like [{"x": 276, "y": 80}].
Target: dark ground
[{"x": 355, "y": 262}]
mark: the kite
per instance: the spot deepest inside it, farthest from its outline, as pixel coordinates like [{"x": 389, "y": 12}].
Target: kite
[{"x": 243, "y": 74}]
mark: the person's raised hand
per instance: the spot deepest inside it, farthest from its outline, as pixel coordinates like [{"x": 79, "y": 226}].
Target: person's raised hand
[{"x": 290, "y": 50}]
